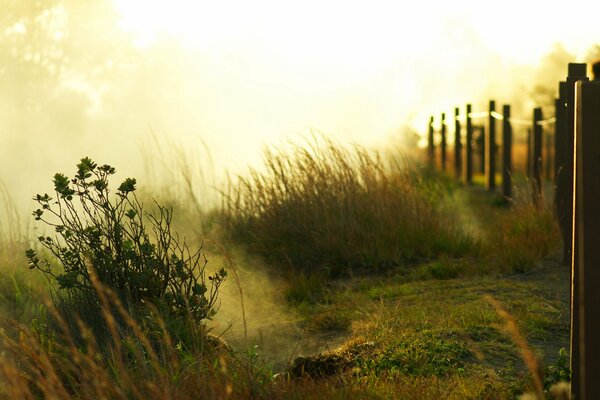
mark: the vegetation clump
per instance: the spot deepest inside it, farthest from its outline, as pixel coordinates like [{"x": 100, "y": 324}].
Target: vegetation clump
[
  {"x": 327, "y": 208},
  {"x": 522, "y": 238},
  {"x": 114, "y": 242}
]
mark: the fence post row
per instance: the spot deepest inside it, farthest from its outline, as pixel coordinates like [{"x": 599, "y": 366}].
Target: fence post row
[
  {"x": 443, "y": 144},
  {"x": 457, "y": 145},
  {"x": 537, "y": 156},
  {"x": 585, "y": 336},
  {"x": 490, "y": 145},
  {"x": 469, "y": 148},
  {"x": 577, "y": 194},
  {"x": 506, "y": 153}
]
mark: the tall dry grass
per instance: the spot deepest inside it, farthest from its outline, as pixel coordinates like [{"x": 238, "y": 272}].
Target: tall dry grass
[
  {"x": 323, "y": 206},
  {"x": 522, "y": 239},
  {"x": 181, "y": 176},
  {"x": 142, "y": 360}
]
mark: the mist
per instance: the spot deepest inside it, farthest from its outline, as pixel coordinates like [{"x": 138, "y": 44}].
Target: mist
[{"x": 81, "y": 79}]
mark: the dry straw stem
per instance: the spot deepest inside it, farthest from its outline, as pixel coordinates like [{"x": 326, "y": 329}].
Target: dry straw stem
[
  {"x": 133, "y": 365},
  {"x": 526, "y": 353}
]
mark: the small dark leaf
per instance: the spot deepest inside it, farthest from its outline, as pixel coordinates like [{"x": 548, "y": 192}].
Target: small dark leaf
[
  {"x": 107, "y": 169},
  {"x": 61, "y": 185},
  {"x": 84, "y": 168},
  {"x": 127, "y": 186},
  {"x": 199, "y": 289},
  {"x": 100, "y": 184}
]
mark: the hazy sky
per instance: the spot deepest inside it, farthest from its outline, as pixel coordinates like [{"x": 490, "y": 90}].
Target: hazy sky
[
  {"x": 366, "y": 34},
  {"x": 238, "y": 75},
  {"x": 361, "y": 68}
]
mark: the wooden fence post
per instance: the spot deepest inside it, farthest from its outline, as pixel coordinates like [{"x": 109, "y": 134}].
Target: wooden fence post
[
  {"x": 431, "y": 145},
  {"x": 506, "y": 153},
  {"x": 443, "y": 145},
  {"x": 560, "y": 130},
  {"x": 548, "y": 154},
  {"x": 560, "y": 143},
  {"x": 528, "y": 169},
  {"x": 577, "y": 72},
  {"x": 481, "y": 141},
  {"x": 469, "y": 147},
  {"x": 457, "y": 145},
  {"x": 537, "y": 156},
  {"x": 491, "y": 148},
  {"x": 586, "y": 253}
]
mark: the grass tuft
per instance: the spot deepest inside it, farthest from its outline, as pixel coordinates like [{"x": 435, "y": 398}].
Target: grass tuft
[
  {"x": 330, "y": 208},
  {"x": 522, "y": 238}
]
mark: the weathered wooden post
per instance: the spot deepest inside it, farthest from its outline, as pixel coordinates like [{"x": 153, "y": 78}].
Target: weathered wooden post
[
  {"x": 528, "y": 169},
  {"x": 560, "y": 137},
  {"x": 430, "y": 145},
  {"x": 491, "y": 148},
  {"x": 469, "y": 147},
  {"x": 547, "y": 154},
  {"x": 586, "y": 253},
  {"x": 481, "y": 141},
  {"x": 443, "y": 144},
  {"x": 457, "y": 145},
  {"x": 560, "y": 155},
  {"x": 577, "y": 72},
  {"x": 506, "y": 153},
  {"x": 537, "y": 156}
]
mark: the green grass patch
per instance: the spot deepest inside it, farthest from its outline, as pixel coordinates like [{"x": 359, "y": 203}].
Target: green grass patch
[
  {"x": 426, "y": 353},
  {"x": 445, "y": 329}
]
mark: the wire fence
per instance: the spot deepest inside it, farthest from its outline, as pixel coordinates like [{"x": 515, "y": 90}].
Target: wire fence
[
  {"x": 567, "y": 145},
  {"x": 476, "y": 132}
]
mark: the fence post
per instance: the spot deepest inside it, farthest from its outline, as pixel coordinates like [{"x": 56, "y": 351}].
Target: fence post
[
  {"x": 577, "y": 72},
  {"x": 431, "y": 145},
  {"x": 457, "y": 145},
  {"x": 560, "y": 139},
  {"x": 469, "y": 148},
  {"x": 560, "y": 130},
  {"x": 537, "y": 156},
  {"x": 547, "y": 154},
  {"x": 482, "y": 140},
  {"x": 491, "y": 148},
  {"x": 586, "y": 255},
  {"x": 528, "y": 169},
  {"x": 506, "y": 153},
  {"x": 443, "y": 144}
]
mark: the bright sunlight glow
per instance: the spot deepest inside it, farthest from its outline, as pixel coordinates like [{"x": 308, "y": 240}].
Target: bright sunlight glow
[{"x": 355, "y": 68}]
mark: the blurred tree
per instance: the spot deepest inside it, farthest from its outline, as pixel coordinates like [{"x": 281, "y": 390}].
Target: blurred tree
[
  {"x": 57, "y": 55},
  {"x": 57, "y": 59},
  {"x": 593, "y": 54},
  {"x": 551, "y": 70}
]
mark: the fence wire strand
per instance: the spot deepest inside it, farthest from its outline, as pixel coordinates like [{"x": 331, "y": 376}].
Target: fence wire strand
[{"x": 500, "y": 117}]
